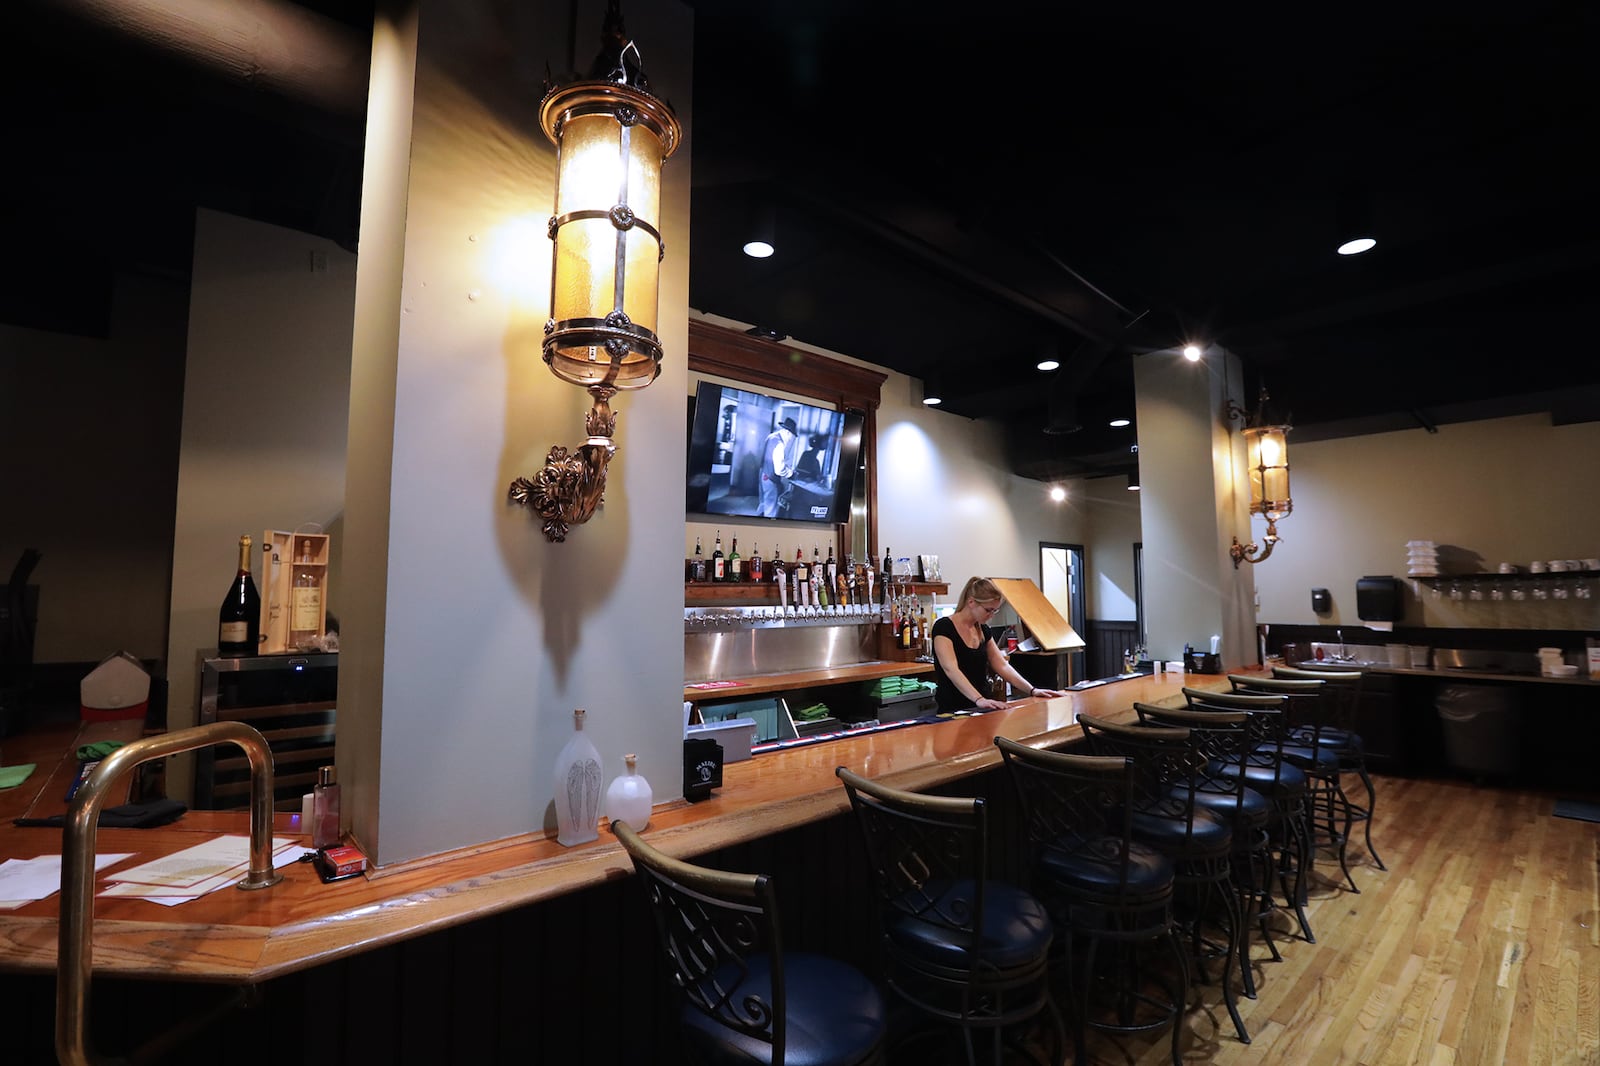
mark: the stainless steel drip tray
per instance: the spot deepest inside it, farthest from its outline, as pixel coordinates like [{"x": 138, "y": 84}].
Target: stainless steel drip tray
[{"x": 1478, "y": 661}]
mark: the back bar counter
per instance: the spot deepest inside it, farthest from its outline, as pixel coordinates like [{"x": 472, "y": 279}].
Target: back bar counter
[{"x": 231, "y": 936}]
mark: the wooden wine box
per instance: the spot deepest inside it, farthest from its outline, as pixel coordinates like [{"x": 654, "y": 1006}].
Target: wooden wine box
[{"x": 294, "y": 591}]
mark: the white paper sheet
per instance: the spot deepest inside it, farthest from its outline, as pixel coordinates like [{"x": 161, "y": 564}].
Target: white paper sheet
[
  {"x": 191, "y": 861},
  {"x": 25, "y": 880}
]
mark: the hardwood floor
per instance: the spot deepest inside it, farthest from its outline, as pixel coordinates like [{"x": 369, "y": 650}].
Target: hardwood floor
[{"x": 1480, "y": 946}]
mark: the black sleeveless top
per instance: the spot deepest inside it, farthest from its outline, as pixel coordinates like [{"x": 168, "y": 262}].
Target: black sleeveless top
[{"x": 972, "y": 662}]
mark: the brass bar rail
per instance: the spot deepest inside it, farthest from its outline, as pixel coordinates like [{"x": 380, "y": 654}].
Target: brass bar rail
[{"x": 74, "y": 948}]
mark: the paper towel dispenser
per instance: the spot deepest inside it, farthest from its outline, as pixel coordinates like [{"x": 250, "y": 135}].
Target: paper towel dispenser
[{"x": 1378, "y": 599}]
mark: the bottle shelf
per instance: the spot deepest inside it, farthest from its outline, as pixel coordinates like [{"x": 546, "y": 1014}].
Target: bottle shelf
[{"x": 762, "y": 593}]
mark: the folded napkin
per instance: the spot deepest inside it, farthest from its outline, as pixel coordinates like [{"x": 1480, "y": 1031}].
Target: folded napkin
[
  {"x": 98, "y": 750},
  {"x": 146, "y": 815},
  {"x": 813, "y": 713},
  {"x": 12, "y": 776}
]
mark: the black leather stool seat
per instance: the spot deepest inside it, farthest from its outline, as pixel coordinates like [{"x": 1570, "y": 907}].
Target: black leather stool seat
[
  {"x": 1211, "y": 837},
  {"x": 1341, "y": 740},
  {"x": 1096, "y": 871},
  {"x": 834, "y": 1015},
  {"x": 1318, "y": 759},
  {"x": 1250, "y": 808},
  {"x": 1016, "y": 928},
  {"x": 1272, "y": 782}
]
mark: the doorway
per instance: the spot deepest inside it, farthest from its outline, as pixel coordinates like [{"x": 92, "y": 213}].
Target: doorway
[{"x": 1061, "y": 580}]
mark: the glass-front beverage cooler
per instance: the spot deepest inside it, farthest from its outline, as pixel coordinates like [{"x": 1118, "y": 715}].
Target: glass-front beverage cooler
[{"x": 290, "y": 699}]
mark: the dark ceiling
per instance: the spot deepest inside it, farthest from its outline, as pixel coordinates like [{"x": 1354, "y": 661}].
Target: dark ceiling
[{"x": 960, "y": 191}]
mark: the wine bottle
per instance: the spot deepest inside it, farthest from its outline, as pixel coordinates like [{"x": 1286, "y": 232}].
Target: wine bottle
[
  {"x": 239, "y": 620},
  {"x": 888, "y": 564},
  {"x": 801, "y": 573},
  {"x": 754, "y": 569},
  {"x": 305, "y": 609},
  {"x": 719, "y": 562},
  {"x": 735, "y": 564}
]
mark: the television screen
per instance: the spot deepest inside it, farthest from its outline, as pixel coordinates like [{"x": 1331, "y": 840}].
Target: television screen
[{"x": 759, "y": 456}]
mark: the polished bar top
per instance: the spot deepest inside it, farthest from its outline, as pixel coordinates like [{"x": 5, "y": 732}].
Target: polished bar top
[
  {"x": 233, "y": 936},
  {"x": 762, "y": 684}
]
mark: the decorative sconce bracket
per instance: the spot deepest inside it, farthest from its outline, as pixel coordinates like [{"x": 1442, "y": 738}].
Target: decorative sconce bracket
[
  {"x": 1253, "y": 552},
  {"x": 571, "y": 487}
]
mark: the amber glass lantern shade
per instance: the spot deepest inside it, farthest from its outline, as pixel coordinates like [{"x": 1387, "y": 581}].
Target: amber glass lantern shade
[
  {"x": 1267, "y": 461},
  {"x": 611, "y": 140},
  {"x": 611, "y": 136},
  {"x": 1268, "y": 457}
]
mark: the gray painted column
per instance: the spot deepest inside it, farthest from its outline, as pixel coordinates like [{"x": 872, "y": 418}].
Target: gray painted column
[{"x": 1194, "y": 499}]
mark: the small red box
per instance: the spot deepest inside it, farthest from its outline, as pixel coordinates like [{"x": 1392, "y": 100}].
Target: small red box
[{"x": 340, "y": 862}]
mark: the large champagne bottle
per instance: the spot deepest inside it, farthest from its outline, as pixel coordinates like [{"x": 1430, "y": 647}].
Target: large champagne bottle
[{"x": 239, "y": 620}]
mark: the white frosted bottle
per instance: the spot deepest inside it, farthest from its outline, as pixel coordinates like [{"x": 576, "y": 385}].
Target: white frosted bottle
[
  {"x": 628, "y": 797},
  {"x": 577, "y": 788}
]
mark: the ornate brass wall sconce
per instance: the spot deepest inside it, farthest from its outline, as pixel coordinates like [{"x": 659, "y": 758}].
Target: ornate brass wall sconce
[
  {"x": 611, "y": 135},
  {"x": 1267, "y": 457}
]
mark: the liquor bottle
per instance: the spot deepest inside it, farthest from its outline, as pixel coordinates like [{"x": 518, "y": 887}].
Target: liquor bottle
[
  {"x": 239, "y": 620},
  {"x": 753, "y": 571},
  {"x": 735, "y": 564},
  {"x": 831, "y": 565},
  {"x": 719, "y": 562},
  {"x": 697, "y": 564},
  {"x": 888, "y": 564},
  {"x": 802, "y": 579},
  {"x": 305, "y": 609},
  {"x": 325, "y": 809}
]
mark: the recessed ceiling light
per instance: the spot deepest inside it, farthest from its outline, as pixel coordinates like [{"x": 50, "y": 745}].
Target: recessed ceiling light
[
  {"x": 1191, "y": 352},
  {"x": 1118, "y": 423},
  {"x": 931, "y": 401},
  {"x": 1057, "y": 493},
  {"x": 1048, "y": 364},
  {"x": 1133, "y": 486},
  {"x": 758, "y": 249},
  {"x": 1357, "y": 246}
]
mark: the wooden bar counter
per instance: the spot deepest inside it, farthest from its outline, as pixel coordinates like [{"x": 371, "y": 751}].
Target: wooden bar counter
[{"x": 236, "y": 937}]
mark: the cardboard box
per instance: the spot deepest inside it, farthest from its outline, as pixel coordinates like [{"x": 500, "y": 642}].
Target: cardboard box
[{"x": 294, "y": 590}]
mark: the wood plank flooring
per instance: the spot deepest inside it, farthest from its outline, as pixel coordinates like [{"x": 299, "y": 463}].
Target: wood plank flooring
[{"x": 1479, "y": 946}]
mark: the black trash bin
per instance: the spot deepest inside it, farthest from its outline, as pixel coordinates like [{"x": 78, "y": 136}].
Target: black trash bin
[{"x": 1480, "y": 729}]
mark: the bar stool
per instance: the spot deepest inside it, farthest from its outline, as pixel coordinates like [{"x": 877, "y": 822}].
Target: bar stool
[
  {"x": 1345, "y": 685},
  {"x": 1267, "y": 770},
  {"x": 1167, "y": 816},
  {"x": 746, "y": 1001},
  {"x": 1101, "y": 886},
  {"x": 1225, "y": 740},
  {"x": 961, "y": 948},
  {"x": 1312, "y": 720}
]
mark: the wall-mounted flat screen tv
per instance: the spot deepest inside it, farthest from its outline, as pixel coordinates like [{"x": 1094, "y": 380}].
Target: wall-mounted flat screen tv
[{"x": 757, "y": 456}]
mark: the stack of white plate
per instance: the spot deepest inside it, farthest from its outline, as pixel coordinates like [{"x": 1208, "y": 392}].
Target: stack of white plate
[{"x": 1422, "y": 558}]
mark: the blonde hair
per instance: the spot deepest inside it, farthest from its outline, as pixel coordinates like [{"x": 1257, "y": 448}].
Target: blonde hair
[{"x": 980, "y": 589}]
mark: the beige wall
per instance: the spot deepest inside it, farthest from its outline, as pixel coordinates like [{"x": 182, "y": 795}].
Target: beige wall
[
  {"x": 1112, "y": 528},
  {"x": 88, "y": 472},
  {"x": 1503, "y": 490}
]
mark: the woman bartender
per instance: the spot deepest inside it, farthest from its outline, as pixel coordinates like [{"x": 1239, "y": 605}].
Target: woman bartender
[{"x": 964, "y": 652}]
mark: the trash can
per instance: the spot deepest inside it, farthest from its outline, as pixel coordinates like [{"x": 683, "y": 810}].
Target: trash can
[{"x": 1480, "y": 728}]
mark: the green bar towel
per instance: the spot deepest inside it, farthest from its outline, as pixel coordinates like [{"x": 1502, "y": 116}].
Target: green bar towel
[
  {"x": 12, "y": 776},
  {"x": 98, "y": 750}
]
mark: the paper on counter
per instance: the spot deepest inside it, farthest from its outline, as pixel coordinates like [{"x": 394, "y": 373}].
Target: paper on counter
[
  {"x": 26, "y": 880},
  {"x": 137, "y": 883}
]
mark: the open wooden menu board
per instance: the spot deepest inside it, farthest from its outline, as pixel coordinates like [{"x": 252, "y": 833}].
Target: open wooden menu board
[{"x": 1044, "y": 622}]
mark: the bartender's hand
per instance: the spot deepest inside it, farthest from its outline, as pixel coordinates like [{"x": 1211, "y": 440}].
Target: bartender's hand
[
  {"x": 1047, "y": 693},
  {"x": 987, "y": 704}
]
